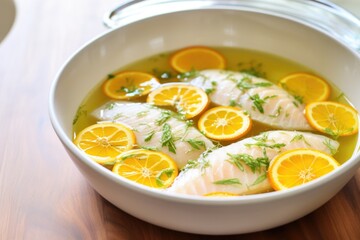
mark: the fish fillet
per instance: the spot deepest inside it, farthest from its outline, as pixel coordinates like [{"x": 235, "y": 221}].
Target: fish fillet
[
  {"x": 240, "y": 168},
  {"x": 262, "y": 99},
  {"x": 158, "y": 129}
]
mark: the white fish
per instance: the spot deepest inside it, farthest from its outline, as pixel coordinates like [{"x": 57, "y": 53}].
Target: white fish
[
  {"x": 240, "y": 168},
  {"x": 262, "y": 99},
  {"x": 157, "y": 128}
]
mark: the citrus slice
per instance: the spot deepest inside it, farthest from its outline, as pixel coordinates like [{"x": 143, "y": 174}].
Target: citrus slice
[
  {"x": 299, "y": 166},
  {"x": 150, "y": 168},
  {"x": 224, "y": 123},
  {"x": 187, "y": 99},
  {"x": 220, "y": 194},
  {"x": 333, "y": 118},
  {"x": 196, "y": 58},
  {"x": 306, "y": 87},
  {"x": 127, "y": 85},
  {"x": 103, "y": 142}
]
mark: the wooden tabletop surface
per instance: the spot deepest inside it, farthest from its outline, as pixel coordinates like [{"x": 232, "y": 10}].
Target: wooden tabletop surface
[{"x": 42, "y": 194}]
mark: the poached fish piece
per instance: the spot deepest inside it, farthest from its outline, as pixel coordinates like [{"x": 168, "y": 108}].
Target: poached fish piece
[
  {"x": 240, "y": 168},
  {"x": 262, "y": 99},
  {"x": 157, "y": 129}
]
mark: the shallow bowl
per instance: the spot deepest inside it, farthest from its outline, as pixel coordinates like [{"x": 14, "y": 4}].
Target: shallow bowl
[{"x": 225, "y": 23}]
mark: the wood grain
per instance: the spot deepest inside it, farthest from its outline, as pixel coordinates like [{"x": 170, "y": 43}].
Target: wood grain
[{"x": 42, "y": 194}]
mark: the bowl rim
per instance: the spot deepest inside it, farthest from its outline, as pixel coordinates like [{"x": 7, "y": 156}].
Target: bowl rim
[{"x": 183, "y": 198}]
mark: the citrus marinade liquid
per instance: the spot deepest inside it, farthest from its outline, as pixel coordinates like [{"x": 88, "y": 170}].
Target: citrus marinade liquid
[{"x": 265, "y": 65}]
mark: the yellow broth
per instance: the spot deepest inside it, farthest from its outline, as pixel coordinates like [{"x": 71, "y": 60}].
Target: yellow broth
[{"x": 270, "y": 67}]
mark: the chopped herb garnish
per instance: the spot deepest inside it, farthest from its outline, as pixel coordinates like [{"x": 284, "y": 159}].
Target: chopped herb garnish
[
  {"x": 300, "y": 137},
  {"x": 149, "y": 148},
  {"x": 188, "y": 75},
  {"x": 167, "y": 139},
  {"x": 327, "y": 143},
  {"x": 196, "y": 144},
  {"x": 299, "y": 99},
  {"x": 230, "y": 181},
  {"x": 110, "y": 105},
  {"x": 277, "y": 113},
  {"x": 149, "y": 136},
  {"x": 110, "y": 76},
  {"x": 142, "y": 113},
  {"x": 209, "y": 90},
  {"x": 252, "y": 68},
  {"x": 80, "y": 112},
  {"x": 260, "y": 179},
  {"x": 168, "y": 172},
  {"x": 164, "y": 116},
  {"x": 258, "y": 102},
  {"x": 255, "y": 164}
]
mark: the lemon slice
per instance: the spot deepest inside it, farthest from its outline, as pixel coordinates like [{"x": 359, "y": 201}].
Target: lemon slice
[
  {"x": 333, "y": 118},
  {"x": 196, "y": 58},
  {"x": 306, "y": 87},
  {"x": 224, "y": 123},
  {"x": 103, "y": 142},
  {"x": 149, "y": 168},
  {"x": 296, "y": 167},
  {"x": 187, "y": 99},
  {"x": 128, "y": 85}
]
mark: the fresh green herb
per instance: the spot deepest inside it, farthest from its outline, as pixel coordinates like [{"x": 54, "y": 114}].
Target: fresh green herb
[
  {"x": 255, "y": 164},
  {"x": 230, "y": 181},
  {"x": 258, "y": 102},
  {"x": 252, "y": 68},
  {"x": 331, "y": 133},
  {"x": 164, "y": 116},
  {"x": 168, "y": 172},
  {"x": 261, "y": 141},
  {"x": 163, "y": 75},
  {"x": 209, "y": 90},
  {"x": 341, "y": 95},
  {"x": 188, "y": 75},
  {"x": 110, "y": 76},
  {"x": 117, "y": 116},
  {"x": 167, "y": 139},
  {"x": 262, "y": 144},
  {"x": 130, "y": 88},
  {"x": 80, "y": 112},
  {"x": 142, "y": 113},
  {"x": 332, "y": 149},
  {"x": 196, "y": 144},
  {"x": 149, "y": 136},
  {"x": 110, "y": 105},
  {"x": 277, "y": 113},
  {"x": 300, "y": 137},
  {"x": 149, "y": 148},
  {"x": 299, "y": 99},
  {"x": 260, "y": 179}
]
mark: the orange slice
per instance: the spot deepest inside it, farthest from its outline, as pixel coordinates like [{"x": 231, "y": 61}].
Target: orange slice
[
  {"x": 306, "y": 87},
  {"x": 224, "y": 123},
  {"x": 127, "y": 85},
  {"x": 187, "y": 99},
  {"x": 220, "y": 194},
  {"x": 296, "y": 167},
  {"x": 103, "y": 142},
  {"x": 196, "y": 58},
  {"x": 333, "y": 118},
  {"x": 150, "y": 168}
]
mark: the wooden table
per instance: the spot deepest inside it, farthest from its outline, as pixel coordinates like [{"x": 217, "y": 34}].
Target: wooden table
[{"x": 42, "y": 194}]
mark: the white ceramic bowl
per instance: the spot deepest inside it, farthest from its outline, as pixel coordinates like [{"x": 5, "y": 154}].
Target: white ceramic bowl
[
  {"x": 216, "y": 25},
  {"x": 7, "y": 17}
]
